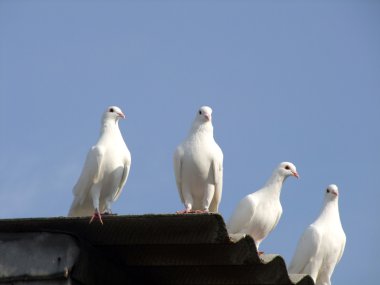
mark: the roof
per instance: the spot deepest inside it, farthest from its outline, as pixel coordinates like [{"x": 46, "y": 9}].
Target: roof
[{"x": 138, "y": 249}]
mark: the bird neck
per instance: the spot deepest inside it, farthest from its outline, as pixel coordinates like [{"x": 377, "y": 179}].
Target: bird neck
[
  {"x": 274, "y": 183},
  {"x": 109, "y": 126},
  {"x": 330, "y": 211},
  {"x": 204, "y": 129}
]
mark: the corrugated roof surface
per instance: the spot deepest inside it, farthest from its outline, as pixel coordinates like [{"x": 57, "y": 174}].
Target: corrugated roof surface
[{"x": 159, "y": 249}]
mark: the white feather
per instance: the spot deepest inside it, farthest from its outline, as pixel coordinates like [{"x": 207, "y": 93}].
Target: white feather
[
  {"x": 258, "y": 213},
  {"x": 322, "y": 244},
  {"x": 198, "y": 166},
  {"x": 105, "y": 171}
]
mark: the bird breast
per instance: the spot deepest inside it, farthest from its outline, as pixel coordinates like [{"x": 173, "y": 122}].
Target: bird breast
[
  {"x": 197, "y": 162},
  {"x": 265, "y": 217},
  {"x": 116, "y": 156}
]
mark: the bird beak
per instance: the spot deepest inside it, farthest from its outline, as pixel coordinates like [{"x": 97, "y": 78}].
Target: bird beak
[
  {"x": 295, "y": 174},
  {"x": 336, "y": 194},
  {"x": 208, "y": 117},
  {"x": 121, "y": 115}
]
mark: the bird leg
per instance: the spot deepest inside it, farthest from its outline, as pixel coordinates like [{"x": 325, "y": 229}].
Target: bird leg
[{"x": 96, "y": 215}]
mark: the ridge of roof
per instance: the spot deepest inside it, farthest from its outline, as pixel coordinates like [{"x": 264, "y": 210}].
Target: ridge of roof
[{"x": 158, "y": 249}]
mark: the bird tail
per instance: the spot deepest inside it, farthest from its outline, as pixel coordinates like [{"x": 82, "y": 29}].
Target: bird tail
[{"x": 80, "y": 210}]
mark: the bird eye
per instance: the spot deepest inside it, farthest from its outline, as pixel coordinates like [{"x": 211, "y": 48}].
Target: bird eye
[
  {"x": 327, "y": 191},
  {"x": 287, "y": 167},
  {"x": 111, "y": 110},
  {"x": 200, "y": 112}
]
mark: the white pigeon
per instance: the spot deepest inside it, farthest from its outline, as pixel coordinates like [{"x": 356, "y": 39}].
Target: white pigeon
[
  {"x": 257, "y": 214},
  {"x": 198, "y": 166},
  {"x": 105, "y": 171},
  {"x": 322, "y": 244}
]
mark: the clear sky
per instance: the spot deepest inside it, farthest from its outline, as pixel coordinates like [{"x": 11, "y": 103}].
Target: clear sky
[{"x": 291, "y": 81}]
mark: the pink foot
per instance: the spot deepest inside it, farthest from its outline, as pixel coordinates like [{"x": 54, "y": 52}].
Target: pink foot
[
  {"x": 109, "y": 214},
  {"x": 96, "y": 215},
  {"x": 186, "y": 211},
  {"x": 201, "y": 211}
]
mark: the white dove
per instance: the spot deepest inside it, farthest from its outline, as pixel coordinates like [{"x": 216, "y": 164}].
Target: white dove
[
  {"x": 322, "y": 244},
  {"x": 198, "y": 166},
  {"x": 257, "y": 214},
  {"x": 105, "y": 171}
]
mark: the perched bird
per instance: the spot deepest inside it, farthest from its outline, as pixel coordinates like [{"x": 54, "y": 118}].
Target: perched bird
[
  {"x": 198, "y": 166},
  {"x": 105, "y": 171},
  {"x": 257, "y": 214},
  {"x": 322, "y": 244}
]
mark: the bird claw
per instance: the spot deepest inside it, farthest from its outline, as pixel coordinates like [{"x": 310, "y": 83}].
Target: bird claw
[
  {"x": 109, "y": 214},
  {"x": 186, "y": 211},
  {"x": 98, "y": 216},
  {"x": 201, "y": 211}
]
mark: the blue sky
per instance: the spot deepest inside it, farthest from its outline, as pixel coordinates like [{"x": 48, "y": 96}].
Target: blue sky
[{"x": 291, "y": 81}]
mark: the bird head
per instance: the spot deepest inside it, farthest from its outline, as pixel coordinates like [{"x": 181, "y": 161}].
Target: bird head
[
  {"x": 204, "y": 114},
  {"x": 288, "y": 169},
  {"x": 113, "y": 112},
  {"x": 332, "y": 192}
]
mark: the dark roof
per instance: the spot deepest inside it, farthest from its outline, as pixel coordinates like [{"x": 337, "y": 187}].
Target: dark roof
[{"x": 146, "y": 249}]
